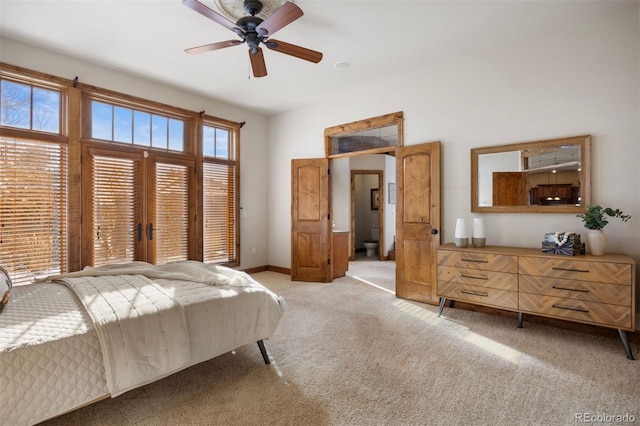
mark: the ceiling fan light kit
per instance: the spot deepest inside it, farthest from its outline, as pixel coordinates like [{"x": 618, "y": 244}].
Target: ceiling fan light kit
[{"x": 254, "y": 31}]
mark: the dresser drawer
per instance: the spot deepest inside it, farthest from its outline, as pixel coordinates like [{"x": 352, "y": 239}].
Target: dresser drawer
[
  {"x": 577, "y": 310},
  {"x": 481, "y": 278},
  {"x": 603, "y": 272},
  {"x": 480, "y": 295},
  {"x": 478, "y": 260},
  {"x": 615, "y": 294}
]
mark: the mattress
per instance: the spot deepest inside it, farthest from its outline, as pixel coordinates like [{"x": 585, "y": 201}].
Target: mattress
[{"x": 51, "y": 357}]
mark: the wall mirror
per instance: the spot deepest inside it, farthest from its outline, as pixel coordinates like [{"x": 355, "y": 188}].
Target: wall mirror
[{"x": 549, "y": 176}]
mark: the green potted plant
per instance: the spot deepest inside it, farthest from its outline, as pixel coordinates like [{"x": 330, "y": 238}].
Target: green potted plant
[{"x": 595, "y": 219}]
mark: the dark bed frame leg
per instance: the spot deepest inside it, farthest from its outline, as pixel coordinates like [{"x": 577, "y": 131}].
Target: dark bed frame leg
[{"x": 263, "y": 351}]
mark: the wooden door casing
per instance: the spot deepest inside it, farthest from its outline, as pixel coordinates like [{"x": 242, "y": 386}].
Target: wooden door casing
[
  {"x": 311, "y": 243},
  {"x": 417, "y": 221}
]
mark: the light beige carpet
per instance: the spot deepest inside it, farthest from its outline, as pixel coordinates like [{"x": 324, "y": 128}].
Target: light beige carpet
[
  {"x": 374, "y": 272},
  {"x": 347, "y": 353}
]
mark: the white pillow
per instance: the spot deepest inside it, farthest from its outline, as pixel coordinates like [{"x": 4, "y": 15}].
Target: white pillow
[{"x": 5, "y": 286}]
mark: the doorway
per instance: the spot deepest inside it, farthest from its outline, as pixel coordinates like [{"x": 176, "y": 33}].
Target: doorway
[
  {"x": 367, "y": 215},
  {"x": 417, "y": 221}
]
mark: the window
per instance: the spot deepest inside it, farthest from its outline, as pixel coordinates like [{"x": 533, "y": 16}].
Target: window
[
  {"x": 25, "y": 106},
  {"x": 33, "y": 197},
  {"x": 220, "y": 200},
  {"x": 121, "y": 124},
  {"x": 90, "y": 177},
  {"x": 33, "y": 180},
  {"x": 140, "y": 192}
]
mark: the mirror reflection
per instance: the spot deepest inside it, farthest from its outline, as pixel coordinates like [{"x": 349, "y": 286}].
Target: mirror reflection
[{"x": 549, "y": 175}]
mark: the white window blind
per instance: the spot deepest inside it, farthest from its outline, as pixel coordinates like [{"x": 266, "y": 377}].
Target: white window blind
[
  {"x": 33, "y": 208},
  {"x": 172, "y": 201},
  {"x": 219, "y": 233},
  {"x": 114, "y": 209}
]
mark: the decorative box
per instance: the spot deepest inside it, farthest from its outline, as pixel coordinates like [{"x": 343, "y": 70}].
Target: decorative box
[{"x": 563, "y": 243}]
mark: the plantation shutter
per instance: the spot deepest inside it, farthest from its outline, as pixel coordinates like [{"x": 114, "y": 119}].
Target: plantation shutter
[
  {"x": 171, "y": 211},
  {"x": 33, "y": 212},
  {"x": 114, "y": 209},
  {"x": 219, "y": 234}
]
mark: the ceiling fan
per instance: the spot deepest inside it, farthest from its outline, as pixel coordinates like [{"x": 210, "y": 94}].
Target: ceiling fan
[{"x": 253, "y": 31}]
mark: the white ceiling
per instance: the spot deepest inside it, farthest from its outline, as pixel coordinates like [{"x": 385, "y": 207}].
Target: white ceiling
[{"x": 377, "y": 38}]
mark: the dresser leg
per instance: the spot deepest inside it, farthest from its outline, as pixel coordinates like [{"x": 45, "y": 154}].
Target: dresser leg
[
  {"x": 443, "y": 300},
  {"x": 520, "y": 319},
  {"x": 625, "y": 343}
]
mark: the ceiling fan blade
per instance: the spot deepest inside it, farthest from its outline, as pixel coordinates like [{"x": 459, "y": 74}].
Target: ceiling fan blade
[
  {"x": 213, "y": 46},
  {"x": 293, "y": 50},
  {"x": 257, "y": 63},
  {"x": 210, "y": 13},
  {"x": 286, "y": 14}
]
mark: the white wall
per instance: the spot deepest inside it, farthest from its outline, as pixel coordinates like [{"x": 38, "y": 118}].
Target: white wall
[
  {"x": 389, "y": 208},
  {"x": 253, "y": 136},
  {"x": 579, "y": 78},
  {"x": 341, "y": 196}
]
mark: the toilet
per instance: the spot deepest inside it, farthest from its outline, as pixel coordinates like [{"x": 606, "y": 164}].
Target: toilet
[{"x": 372, "y": 245}]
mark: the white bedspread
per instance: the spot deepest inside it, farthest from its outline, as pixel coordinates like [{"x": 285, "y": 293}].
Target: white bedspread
[
  {"x": 187, "y": 270},
  {"x": 51, "y": 357},
  {"x": 141, "y": 328}
]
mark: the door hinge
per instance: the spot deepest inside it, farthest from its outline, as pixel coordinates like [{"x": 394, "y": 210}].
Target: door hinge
[
  {"x": 328, "y": 261},
  {"x": 329, "y": 216},
  {"x": 328, "y": 171}
]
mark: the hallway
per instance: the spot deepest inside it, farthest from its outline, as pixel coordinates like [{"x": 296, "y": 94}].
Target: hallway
[{"x": 377, "y": 273}]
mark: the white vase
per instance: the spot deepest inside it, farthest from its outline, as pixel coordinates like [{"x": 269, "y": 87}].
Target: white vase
[
  {"x": 478, "y": 236},
  {"x": 597, "y": 241},
  {"x": 461, "y": 237}
]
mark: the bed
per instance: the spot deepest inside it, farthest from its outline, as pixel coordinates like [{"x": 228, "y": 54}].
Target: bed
[{"x": 73, "y": 339}]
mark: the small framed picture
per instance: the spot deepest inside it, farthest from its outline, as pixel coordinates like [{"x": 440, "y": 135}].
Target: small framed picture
[
  {"x": 392, "y": 193},
  {"x": 375, "y": 201}
]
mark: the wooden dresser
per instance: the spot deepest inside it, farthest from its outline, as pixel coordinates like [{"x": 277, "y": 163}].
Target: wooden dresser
[{"x": 598, "y": 290}]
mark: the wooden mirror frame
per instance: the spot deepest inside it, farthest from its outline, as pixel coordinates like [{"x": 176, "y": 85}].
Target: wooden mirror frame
[{"x": 584, "y": 141}]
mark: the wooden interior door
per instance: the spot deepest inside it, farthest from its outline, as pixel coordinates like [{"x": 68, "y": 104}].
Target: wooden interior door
[
  {"x": 509, "y": 188},
  {"x": 311, "y": 242},
  {"x": 417, "y": 221}
]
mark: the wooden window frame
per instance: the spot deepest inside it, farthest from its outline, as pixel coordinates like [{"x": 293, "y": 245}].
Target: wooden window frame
[
  {"x": 232, "y": 160},
  {"x": 61, "y": 138},
  {"x": 75, "y": 131}
]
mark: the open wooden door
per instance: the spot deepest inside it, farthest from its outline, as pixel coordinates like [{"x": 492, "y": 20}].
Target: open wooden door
[
  {"x": 417, "y": 221},
  {"x": 311, "y": 245}
]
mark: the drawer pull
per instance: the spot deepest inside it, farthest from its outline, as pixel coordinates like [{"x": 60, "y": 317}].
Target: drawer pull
[
  {"x": 475, "y": 278},
  {"x": 569, "y": 269},
  {"x": 475, "y": 293},
  {"x": 474, "y": 260},
  {"x": 571, "y": 289},
  {"x": 571, "y": 309}
]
